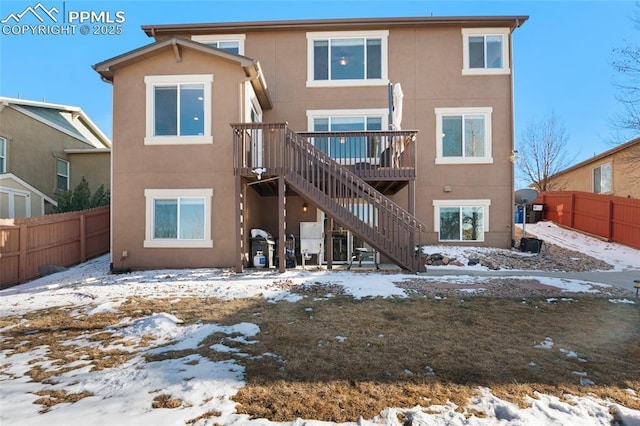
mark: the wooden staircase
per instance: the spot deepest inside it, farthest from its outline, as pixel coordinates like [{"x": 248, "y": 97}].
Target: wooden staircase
[{"x": 333, "y": 187}]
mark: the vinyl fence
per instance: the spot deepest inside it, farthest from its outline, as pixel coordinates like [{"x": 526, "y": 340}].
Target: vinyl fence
[
  {"x": 30, "y": 245},
  {"x": 612, "y": 218}
]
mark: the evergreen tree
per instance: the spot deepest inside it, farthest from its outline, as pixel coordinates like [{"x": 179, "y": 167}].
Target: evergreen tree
[{"x": 81, "y": 199}]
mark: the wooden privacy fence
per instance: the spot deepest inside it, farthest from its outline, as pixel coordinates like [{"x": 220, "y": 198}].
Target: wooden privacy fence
[
  {"x": 64, "y": 239},
  {"x": 613, "y": 218}
]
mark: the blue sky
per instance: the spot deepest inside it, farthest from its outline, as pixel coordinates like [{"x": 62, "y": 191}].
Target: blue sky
[{"x": 562, "y": 54}]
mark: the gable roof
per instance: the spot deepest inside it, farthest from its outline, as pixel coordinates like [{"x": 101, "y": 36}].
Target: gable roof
[
  {"x": 600, "y": 156},
  {"x": 67, "y": 119},
  {"x": 27, "y": 186},
  {"x": 250, "y": 66},
  {"x": 335, "y": 24}
]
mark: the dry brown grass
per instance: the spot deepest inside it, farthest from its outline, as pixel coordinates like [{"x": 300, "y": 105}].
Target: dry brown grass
[
  {"x": 166, "y": 401},
  {"x": 391, "y": 346},
  {"x": 49, "y": 398},
  {"x": 207, "y": 415},
  {"x": 340, "y": 359}
]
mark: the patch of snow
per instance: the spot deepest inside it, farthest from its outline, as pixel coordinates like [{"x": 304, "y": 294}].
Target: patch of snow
[
  {"x": 547, "y": 343},
  {"x": 619, "y": 256},
  {"x": 160, "y": 325},
  {"x": 124, "y": 394}
]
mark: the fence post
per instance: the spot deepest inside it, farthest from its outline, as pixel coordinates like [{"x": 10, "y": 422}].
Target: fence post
[
  {"x": 573, "y": 209},
  {"x": 83, "y": 239},
  {"x": 22, "y": 256},
  {"x": 610, "y": 220}
]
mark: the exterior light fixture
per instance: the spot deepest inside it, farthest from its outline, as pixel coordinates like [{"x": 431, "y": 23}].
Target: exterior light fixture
[{"x": 304, "y": 207}]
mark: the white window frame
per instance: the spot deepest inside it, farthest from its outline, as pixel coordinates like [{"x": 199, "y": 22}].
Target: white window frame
[
  {"x": 216, "y": 38},
  {"x": 152, "y": 194},
  {"x": 151, "y": 82},
  {"x": 312, "y": 114},
  {"x": 506, "y": 60},
  {"x": 382, "y": 113},
  {"x": 384, "y": 58},
  {"x": 485, "y": 204},
  {"x": 441, "y": 113},
  {"x": 3, "y": 155},
  {"x": 67, "y": 176},
  {"x": 593, "y": 180}
]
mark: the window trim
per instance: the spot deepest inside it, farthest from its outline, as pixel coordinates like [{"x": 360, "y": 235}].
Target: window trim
[
  {"x": 152, "y": 194},
  {"x": 327, "y": 35},
  {"x": 151, "y": 82},
  {"x": 67, "y": 176},
  {"x": 506, "y": 60},
  {"x": 3, "y": 155},
  {"x": 484, "y": 203},
  {"x": 382, "y": 113},
  {"x": 593, "y": 180},
  {"x": 215, "y": 38},
  {"x": 367, "y": 112},
  {"x": 442, "y": 112}
]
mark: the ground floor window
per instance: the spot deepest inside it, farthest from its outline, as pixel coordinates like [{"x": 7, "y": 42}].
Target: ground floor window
[
  {"x": 178, "y": 218},
  {"x": 461, "y": 220},
  {"x": 602, "y": 181}
]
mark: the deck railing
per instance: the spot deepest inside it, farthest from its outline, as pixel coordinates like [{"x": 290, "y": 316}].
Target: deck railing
[{"x": 264, "y": 150}]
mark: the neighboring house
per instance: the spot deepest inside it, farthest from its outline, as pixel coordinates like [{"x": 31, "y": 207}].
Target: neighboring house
[
  {"x": 45, "y": 149},
  {"x": 226, "y": 127},
  {"x": 613, "y": 172}
]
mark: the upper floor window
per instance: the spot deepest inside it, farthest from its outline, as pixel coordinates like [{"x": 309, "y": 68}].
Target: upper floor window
[
  {"x": 463, "y": 135},
  {"x": 233, "y": 43},
  {"x": 347, "y": 58},
  {"x": 602, "y": 179},
  {"x": 62, "y": 174},
  {"x": 348, "y": 149},
  {"x": 3, "y": 155},
  {"x": 485, "y": 51},
  {"x": 178, "y": 109}
]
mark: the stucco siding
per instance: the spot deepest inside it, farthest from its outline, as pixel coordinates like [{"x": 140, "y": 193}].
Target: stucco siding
[
  {"x": 138, "y": 166},
  {"x": 625, "y": 174},
  {"x": 428, "y": 64}
]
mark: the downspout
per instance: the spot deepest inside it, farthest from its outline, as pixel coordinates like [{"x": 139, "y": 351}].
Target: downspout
[{"x": 513, "y": 136}]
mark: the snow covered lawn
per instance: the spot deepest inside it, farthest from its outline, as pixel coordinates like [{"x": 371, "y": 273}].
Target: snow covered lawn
[{"x": 171, "y": 347}]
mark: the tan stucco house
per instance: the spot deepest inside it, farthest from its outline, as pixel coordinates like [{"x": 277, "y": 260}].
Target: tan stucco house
[
  {"x": 358, "y": 137},
  {"x": 613, "y": 172},
  {"x": 45, "y": 149}
]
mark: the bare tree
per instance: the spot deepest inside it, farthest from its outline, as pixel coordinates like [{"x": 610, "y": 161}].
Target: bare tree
[
  {"x": 542, "y": 152},
  {"x": 627, "y": 83},
  {"x": 627, "y": 64}
]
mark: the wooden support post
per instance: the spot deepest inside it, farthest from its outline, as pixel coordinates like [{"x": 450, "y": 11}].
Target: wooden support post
[
  {"x": 329, "y": 243},
  {"x": 412, "y": 238},
  {"x": 411, "y": 208},
  {"x": 239, "y": 220},
  {"x": 282, "y": 225}
]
